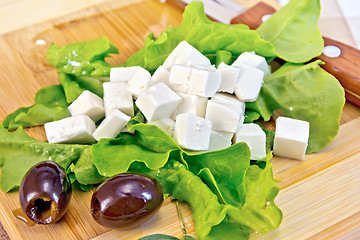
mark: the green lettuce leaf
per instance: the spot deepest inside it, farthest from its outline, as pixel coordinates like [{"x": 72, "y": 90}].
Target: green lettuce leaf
[
  {"x": 223, "y": 171},
  {"x": 294, "y": 31},
  {"x": 213, "y": 218},
  {"x": 82, "y": 58},
  {"x": 248, "y": 191},
  {"x": 259, "y": 106},
  {"x": 309, "y": 93},
  {"x": 207, "y": 36},
  {"x": 85, "y": 171},
  {"x": 74, "y": 85},
  {"x": 229, "y": 230},
  {"x": 154, "y": 138},
  {"x": 50, "y": 105},
  {"x": 210, "y": 216},
  {"x": 138, "y": 118},
  {"x": 251, "y": 116},
  {"x": 270, "y": 135},
  {"x": 223, "y": 56},
  {"x": 183, "y": 185},
  {"x": 75, "y": 184},
  {"x": 71, "y": 87},
  {"x": 19, "y": 135},
  {"x": 259, "y": 211},
  {"x": 19, "y": 152},
  {"x": 114, "y": 156}
]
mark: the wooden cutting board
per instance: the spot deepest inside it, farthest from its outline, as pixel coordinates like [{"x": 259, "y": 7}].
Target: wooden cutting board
[{"x": 319, "y": 197}]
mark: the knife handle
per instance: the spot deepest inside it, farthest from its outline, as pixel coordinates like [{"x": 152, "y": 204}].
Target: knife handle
[{"x": 345, "y": 67}]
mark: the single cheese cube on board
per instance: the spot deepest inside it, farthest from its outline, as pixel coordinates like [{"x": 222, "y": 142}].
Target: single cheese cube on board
[
  {"x": 204, "y": 83},
  {"x": 220, "y": 140},
  {"x": 291, "y": 138},
  {"x": 254, "y": 137},
  {"x": 229, "y": 77},
  {"x": 158, "y": 102},
  {"x": 184, "y": 53},
  {"x": 112, "y": 125},
  {"x": 122, "y": 74},
  {"x": 253, "y": 60},
  {"x": 191, "y": 104},
  {"x": 161, "y": 75},
  {"x": 249, "y": 84},
  {"x": 117, "y": 97},
  {"x": 76, "y": 129},
  {"x": 192, "y": 132},
  {"x": 140, "y": 81},
  {"x": 224, "y": 116},
  {"x": 88, "y": 104},
  {"x": 167, "y": 125},
  {"x": 179, "y": 78}
]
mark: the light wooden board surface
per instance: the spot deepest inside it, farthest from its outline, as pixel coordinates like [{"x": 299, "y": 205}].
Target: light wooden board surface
[{"x": 319, "y": 196}]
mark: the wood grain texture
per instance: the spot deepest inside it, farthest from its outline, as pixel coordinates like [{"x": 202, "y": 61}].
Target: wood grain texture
[
  {"x": 38, "y": 11},
  {"x": 319, "y": 196}
]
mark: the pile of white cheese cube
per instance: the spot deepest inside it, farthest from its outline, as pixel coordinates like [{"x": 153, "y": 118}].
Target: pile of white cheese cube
[{"x": 200, "y": 106}]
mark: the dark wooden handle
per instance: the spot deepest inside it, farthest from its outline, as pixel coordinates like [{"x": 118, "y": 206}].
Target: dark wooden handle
[{"x": 345, "y": 67}]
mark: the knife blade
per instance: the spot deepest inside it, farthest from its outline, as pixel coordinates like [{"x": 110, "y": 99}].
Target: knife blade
[{"x": 341, "y": 60}]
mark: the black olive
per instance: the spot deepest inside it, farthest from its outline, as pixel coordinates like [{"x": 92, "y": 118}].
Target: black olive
[
  {"x": 126, "y": 200},
  {"x": 45, "y": 193}
]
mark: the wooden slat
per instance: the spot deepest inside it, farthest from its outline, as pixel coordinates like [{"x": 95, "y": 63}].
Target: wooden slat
[
  {"x": 342, "y": 230},
  {"x": 39, "y": 11},
  {"x": 318, "y": 202}
]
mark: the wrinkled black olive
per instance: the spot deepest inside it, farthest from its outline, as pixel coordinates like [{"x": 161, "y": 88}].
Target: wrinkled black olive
[
  {"x": 45, "y": 193},
  {"x": 126, "y": 200}
]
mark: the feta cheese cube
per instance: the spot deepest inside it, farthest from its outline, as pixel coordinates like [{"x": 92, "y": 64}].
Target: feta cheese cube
[
  {"x": 122, "y": 74},
  {"x": 229, "y": 77},
  {"x": 235, "y": 103},
  {"x": 183, "y": 54},
  {"x": 253, "y": 60},
  {"x": 117, "y": 97},
  {"x": 76, "y": 129},
  {"x": 249, "y": 84},
  {"x": 254, "y": 137},
  {"x": 167, "y": 125},
  {"x": 140, "y": 81},
  {"x": 88, "y": 104},
  {"x": 191, "y": 104},
  {"x": 161, "y": 75},
  {"x": 224, "y": 116},
  {"x": 204, "y": 83},
  {"x": 158, "y": 102},
  {"x": 112, "y": 125},
  {"x": 192, "y": 132},
  {"x": 179, "y": 78},
  {"x": 291, "y": 138},
  {"x": 210, "y": 68},
  {"x": 220, "y": 140}
]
